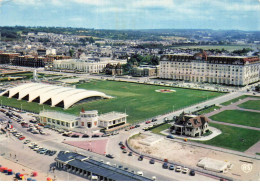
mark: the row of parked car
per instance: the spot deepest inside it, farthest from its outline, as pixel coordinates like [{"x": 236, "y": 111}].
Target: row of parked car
[
  {"x": 39, "y": 149},
  {"x": 165, "y": 164}
]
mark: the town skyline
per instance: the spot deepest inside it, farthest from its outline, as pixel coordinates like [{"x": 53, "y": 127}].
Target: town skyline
[{"x": 137, "y": 14}]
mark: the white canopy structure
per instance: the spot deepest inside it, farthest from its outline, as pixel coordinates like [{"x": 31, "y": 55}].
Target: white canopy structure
[{"x": 50, "y": 94}]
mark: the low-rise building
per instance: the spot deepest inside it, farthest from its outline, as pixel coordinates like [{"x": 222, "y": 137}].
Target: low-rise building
[
  {"x": 87, "y": 119},
  {"x": 145, "y": 71},
  {"x": 190, "y": 125}
]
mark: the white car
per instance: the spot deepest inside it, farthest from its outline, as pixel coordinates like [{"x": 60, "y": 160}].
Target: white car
[
  {"x": 140, "y": 173},
  {"x": 154, "y": 178},
  {"x": 178, "y": 169},
  {"x": 185, "y": 170}
]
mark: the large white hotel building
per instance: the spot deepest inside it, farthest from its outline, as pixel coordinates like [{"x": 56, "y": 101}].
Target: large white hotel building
[{"x": 229, "y": 70}]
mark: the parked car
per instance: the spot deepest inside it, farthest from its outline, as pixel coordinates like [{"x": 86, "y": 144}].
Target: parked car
[
  {"x": 21, "y": 138},
  {"x": 127, "y": 129},
  {"x": 85, "y": 136},
  {"x": 122, "y": 147},
  {"x": 154, "y": 119},
  {"x": 178, "y": 169},
  {"x": 185, "y": 170},
  {"x": 141, "y": 157},
  {"x": 152, "y": 161},
  {"x": 136, "y": 126},
  {"x": 95, "y": 135},
  {"x": 27, "y": 141},
  {"x": 120, "y": 143},
  {"x": 132, "y": 127},
  {"x": 124, "y": 151},
  {"x": 192, "y": 172},
  {"x": 171, "y": 167},
  {"x": 130, "y": 154},
  {"x": 165, "y": 165},
  {"x": 147, "y": 122},
  {"x": 52, "y": 153},
  {"x": 109, "y": 156},
  {"x": 170, "y": 136},
  {"x": 140, "y": 173},
  {"x": 75, "y": 136}
]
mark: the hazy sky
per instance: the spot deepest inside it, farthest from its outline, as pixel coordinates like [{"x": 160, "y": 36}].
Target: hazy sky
[{"x": 133, "y": 14}]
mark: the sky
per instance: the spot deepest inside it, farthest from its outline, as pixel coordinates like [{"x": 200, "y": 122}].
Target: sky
[{"x": 133, "y": 14}]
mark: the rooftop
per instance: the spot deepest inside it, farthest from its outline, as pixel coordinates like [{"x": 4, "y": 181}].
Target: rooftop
[
  {"x": 112, "y": 116},
  {"x": 58, "y": 115}
]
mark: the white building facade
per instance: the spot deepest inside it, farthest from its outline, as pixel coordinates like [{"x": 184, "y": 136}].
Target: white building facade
[
  {"x": 87, "y": 119},
  {"x": 238, "y": 71},
  {"x": 87, "y": 65}
]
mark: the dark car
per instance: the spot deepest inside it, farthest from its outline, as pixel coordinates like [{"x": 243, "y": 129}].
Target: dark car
[
  {"x": 136, "y": 126},
  {"x": 171, "y": 167},
  {"x": 120, "y": 166},
  {"x": 104, "y": 135},
  {"x": 120, "y": 143},
  {"x": 109, "y": 156},
  {"x": 154, "y": 119},
  {"x": 165, "y": 165},
  {"x": 75, "y": 136},
  {"x": 130, "y": 154},
  {"x": 85, "y": 136},
  {"x": 126, "y": 168},
  {"x": 152, "y": 161},
  {"x": 66, "y": 135},
  {"x": 95, "y": 135},
  {"x": 192, "y": 172},
  {"x": 141, "y": 157},
  {"x": 47, "y": 152},
  {"x": 170, "y": 136},
  {"x": 52, "y": 153}
]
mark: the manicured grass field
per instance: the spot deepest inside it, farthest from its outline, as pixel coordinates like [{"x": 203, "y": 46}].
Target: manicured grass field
[
  {"x": 139, "y": 101},
  {"x": 238, "y": 117},
  {"x": 208, "y": 110},
  {"x": 157, "y": 130},
  {"x": 251, "y": 104},
  {"x": 237, "y": 99},
  {"x": 234, "y": 138}
]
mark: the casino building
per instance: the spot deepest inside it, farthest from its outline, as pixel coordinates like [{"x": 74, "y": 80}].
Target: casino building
[{"x": 228, "y": 70}]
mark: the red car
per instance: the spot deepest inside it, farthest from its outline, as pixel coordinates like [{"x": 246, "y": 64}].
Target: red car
[
  {"x": 21, "y": 138},
  {"x": 147, "y": 122},
  {"x": 123, "y": 147},
  {"x": 132, "y": 127}
]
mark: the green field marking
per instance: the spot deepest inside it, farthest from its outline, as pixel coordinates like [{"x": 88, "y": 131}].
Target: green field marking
[
  {"x": 238, "y": 117},
  {"x": 251, "y": 104},
  {"x": 235, "y": 138}
]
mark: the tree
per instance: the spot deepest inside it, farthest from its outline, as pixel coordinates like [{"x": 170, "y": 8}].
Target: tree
[
  {"x": 91, "y": 40},
  {"x": 71, "y": 51}
]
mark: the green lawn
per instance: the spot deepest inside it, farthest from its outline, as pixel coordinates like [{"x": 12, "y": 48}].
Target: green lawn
[
  {"x": 208, "y": 110},
  {"x": 138, "y": 100},
  {"x": 157, "y": 130},
  {"x": 251, "y": 104},
  {"x": 238, "y": 117},
  {"x": 234, "y": 138},
  {"x": 237, "y": 99}
]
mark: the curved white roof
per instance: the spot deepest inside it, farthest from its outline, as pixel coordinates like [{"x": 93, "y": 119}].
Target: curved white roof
[{"x": 57, "y": 94}]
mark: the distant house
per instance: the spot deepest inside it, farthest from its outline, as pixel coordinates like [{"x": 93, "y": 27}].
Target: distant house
[{"x": 190, "y": 125}]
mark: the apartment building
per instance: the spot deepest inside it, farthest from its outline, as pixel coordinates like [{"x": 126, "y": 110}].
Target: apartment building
[{"x": 229, "y": 70}]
